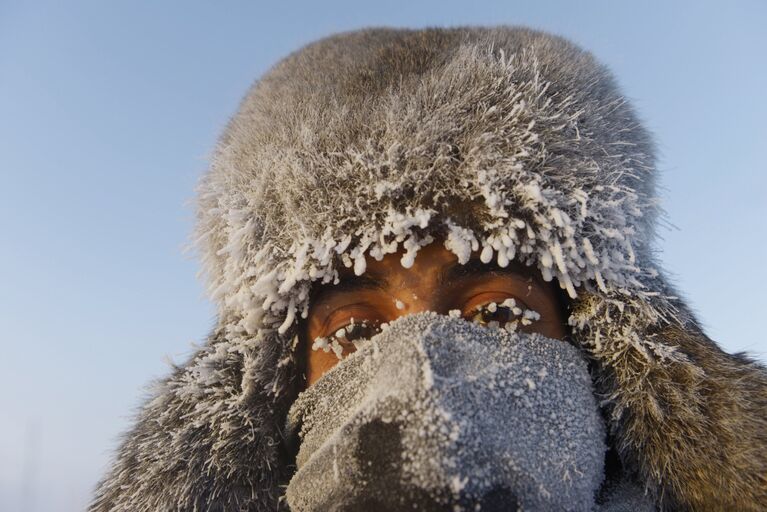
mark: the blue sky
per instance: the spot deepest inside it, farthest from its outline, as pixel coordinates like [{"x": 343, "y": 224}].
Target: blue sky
[{"x": 109, "y": 110}]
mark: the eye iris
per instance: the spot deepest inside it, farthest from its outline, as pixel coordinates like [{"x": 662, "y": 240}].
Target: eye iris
[{"x": 500, "y": 314}]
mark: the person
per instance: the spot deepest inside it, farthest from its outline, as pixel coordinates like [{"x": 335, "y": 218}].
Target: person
[{"x": 432, "y": 253}]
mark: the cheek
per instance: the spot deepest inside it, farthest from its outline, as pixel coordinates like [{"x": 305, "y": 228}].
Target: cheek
[
  {"x": 317, "y": 363},
  {"x": 552, "y": 329},
  {"x": 552, "y": 324}
]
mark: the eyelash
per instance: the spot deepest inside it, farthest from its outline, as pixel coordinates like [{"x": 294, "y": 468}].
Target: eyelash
[
  {"x": 334, "y": 343},
  {"x": 516, "y": 314},
  {"x": 353, "y": 332}
]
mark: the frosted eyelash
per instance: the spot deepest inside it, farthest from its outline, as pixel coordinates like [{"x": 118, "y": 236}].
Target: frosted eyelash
[
  {"x": 522, "y": 315},
  {"x": 326, "y": 344}
]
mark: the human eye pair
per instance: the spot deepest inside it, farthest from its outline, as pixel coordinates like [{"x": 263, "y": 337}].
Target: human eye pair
[{"x": 508, "y": 314}]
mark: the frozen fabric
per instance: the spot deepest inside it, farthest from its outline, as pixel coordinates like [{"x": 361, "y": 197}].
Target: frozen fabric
[{"x": 438, "y": 411}]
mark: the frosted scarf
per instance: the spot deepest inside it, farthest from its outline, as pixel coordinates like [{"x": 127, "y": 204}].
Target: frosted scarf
[{"x": 436, "y": 413}]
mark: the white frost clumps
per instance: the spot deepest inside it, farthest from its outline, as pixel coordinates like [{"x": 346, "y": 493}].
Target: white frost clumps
[
  {"x": 270, "y": 288},
  {"x": 521, "y": 315},
  {"x": 321, "y": 343},
  {"x": 326, "y": 345},
  {"x": 460, "y": 241},
  {"x": 530, "y": 316},
  {"x": 334, "y": 341}
]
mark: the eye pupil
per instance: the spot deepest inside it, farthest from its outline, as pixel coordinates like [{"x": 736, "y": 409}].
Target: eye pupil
[
  {"x": 501, "y": 314},
  {"x": 354, "y": 331}
]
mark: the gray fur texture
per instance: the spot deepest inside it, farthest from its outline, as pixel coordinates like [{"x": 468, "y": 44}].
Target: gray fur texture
[{"x": 503, "y": 140}]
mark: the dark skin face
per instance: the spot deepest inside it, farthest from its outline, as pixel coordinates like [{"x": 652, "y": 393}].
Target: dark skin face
[{"x": 435, "y": 282}]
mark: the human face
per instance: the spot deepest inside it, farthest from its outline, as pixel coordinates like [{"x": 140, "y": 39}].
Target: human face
[{"x": 435, "y": 282}]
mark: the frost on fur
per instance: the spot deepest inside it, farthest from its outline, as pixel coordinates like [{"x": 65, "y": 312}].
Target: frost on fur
[
  {"x": 280, "y": 294},
  {"x": 499, "y": 191}
]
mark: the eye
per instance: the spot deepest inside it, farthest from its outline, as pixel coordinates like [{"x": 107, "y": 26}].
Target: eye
[
  {"x": 347, "y": 337},
  {"x": 507, "y": 315},
  {"x": 354, "y": 331}
]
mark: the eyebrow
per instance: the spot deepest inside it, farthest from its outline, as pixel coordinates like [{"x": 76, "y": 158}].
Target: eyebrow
[
  {"x": 447, "y": 275},
  {"x": 473, "y": 267}
]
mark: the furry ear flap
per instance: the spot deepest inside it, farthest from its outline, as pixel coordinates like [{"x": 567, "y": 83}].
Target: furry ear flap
[
  {"x": 210, "y": 437},
  {"x": 693, "y": 426}
]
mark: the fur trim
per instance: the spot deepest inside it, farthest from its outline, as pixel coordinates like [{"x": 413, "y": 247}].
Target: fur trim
[{"x": 506, "y": 141}]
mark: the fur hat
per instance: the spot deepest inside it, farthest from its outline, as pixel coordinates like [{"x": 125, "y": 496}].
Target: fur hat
[{"x": 507, "y": 141}]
